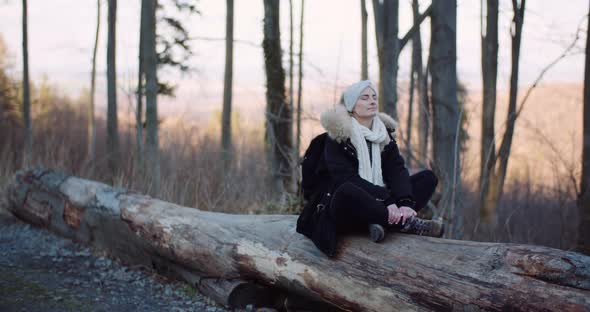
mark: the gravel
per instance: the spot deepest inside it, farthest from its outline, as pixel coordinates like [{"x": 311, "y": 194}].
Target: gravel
[{"x": 40, "y": 271}]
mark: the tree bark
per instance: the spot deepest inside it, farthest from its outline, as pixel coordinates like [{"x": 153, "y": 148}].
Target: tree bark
[
  {"x": 279, "y": 139},
  {"x": 405, "y": 272},
  {"x": 493, "y": 191},
  {"x": 584, "y": 196},
  {"x": 151, "y": 98},
  {"x": 445, "y": 107},
  {"x": 112, "y": 122},
  {"x": 226, "y": 135},
  {"x": 364, "y": 60},
  {"x": 91, "y": 119},
  {"x": 300, "y": 79},
  {"x": 28, "y": 150},
  {"x": 489, "y": 67}
]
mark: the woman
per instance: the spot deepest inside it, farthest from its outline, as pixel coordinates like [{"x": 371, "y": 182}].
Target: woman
[{"x": 363, "y": 181}]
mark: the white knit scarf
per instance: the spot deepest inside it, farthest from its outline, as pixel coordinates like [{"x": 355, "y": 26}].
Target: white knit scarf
[{"x": 377, "y": 135}]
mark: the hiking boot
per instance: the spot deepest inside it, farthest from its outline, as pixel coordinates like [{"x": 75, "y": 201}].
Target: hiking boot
[
  {"x": 376, "y": 232},
  {"x": 415, "y": 225}
]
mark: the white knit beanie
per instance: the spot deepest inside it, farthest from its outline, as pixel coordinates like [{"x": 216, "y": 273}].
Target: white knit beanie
[{"x": 352, "y": 94}]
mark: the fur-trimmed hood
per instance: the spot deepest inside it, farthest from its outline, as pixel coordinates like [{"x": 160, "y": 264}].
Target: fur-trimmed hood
[{"x": 338, "y": 123}]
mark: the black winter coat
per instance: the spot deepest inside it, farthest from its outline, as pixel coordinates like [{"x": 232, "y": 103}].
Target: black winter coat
[{"x": 338, "y": 165}]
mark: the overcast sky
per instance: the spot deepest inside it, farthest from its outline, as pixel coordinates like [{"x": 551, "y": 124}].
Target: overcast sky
[{"x": 61, "y": 37}]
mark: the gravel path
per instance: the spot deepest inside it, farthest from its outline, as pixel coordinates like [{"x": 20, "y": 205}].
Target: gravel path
[{"x": 40, "y": 271}]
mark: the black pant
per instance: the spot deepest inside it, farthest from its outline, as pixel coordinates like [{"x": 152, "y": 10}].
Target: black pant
[{"x": 352, "y": 208}]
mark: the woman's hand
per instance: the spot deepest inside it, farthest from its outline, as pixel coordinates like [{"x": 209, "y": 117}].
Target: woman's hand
[
  {"x": 407, "y": 213},
  {"x": 401, "y": 214},
  {"x": 394, "y": 214}
]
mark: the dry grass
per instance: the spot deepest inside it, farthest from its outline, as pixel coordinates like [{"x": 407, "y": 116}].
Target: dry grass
[
  {"x": 192, "y": 172},
  {"x": 526, "y": 214}
]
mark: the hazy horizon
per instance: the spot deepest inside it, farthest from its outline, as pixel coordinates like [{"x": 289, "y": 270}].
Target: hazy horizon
[{"x": 331, "y": 47}]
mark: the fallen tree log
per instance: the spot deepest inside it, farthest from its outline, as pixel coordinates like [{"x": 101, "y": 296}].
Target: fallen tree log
[{"x": 405, "y": 272}]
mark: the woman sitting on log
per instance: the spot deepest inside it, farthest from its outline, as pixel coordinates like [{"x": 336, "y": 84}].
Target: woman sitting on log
[{"x": 359, "y": 176}]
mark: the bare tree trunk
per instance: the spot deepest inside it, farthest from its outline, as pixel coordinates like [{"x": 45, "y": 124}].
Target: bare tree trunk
[
  {"x": 112, "y": 127},
  {"x": 496, "y": 179},
  {"x": 422, "y": 88},
  {"x": 390, "y": 57},
  {"x": 584, "y": 196},
  {"x": 445, "y": 106},
  {"x": 379, "y": 35},
  {"x": 489, "y": 68},
  {"x": 300, "y": 79},
  {"x": 415, "y": 81},
  {"x": 424, "y": 116},
  {"x": 410, "y": 113},
  {"x": 28, "y": 150},
  {"x": 291, "y": 92},
  {"x": 364, "y": 60},
  {"x": 139, "y": 150},
  {"x": 278, "y": 115},
  {"x": 388, "y": 66},
  {"x": 151, "y": 97},
  {"x": 91, "y": 120},
  {"x": 226, "y": 135}
]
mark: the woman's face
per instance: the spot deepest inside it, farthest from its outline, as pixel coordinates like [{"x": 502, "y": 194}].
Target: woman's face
[{"x": 366, "y": 105}]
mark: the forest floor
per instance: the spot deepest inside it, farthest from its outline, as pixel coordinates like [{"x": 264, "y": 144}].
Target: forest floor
[{"x": 40, "y": 271}]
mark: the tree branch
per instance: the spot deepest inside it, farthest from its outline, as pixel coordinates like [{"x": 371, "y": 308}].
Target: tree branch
[
  {"x": 415, "y": 28},
  {"x": 564, "y": 54},
  {"x": 529, "y": 91},
  {"x": 246, "y": 42}
]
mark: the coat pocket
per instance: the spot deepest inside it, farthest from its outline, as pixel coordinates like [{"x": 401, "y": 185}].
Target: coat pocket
[
  {"x": 310, "y": 216},
  {"x": 324, "y": 202}
]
